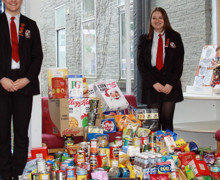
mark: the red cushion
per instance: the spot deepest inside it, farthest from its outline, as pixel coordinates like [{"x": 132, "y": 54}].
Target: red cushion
[
  {"x": 53, "y": 141},
  {"x": 217, "y": 135},
  {"x": 131, "y": 100}
]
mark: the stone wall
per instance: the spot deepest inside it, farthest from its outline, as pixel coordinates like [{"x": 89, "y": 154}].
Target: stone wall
[{"x": 192, "y": 18}]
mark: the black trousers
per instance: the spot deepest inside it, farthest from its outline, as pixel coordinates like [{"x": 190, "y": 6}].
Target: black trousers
[
  {"x": 166, "y": 112},
  {"x": 16, "y": 108}
]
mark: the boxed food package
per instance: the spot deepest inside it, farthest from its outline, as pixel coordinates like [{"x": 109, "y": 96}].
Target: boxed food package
[
  {"x": 57, "y": 87},
  {"x": 56, "y": 118},
  {"x": 111, "y": 96},
  {"x": 91, "y": 90},
  {"x": 78, "y": 112},
  {"x": 75, "y": 86}
]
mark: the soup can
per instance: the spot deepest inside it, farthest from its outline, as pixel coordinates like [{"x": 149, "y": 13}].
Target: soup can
[
  {"x": 102, "y": 160},
  {"x": 80, "y": 157},
  {"x": 60, "y": 175},
  {"x": 114, "y": 151},
  {"x": 93, "y": 162}
]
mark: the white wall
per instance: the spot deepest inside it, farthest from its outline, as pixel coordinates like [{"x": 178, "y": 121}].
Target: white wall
[{"x": 32, "y": 8}]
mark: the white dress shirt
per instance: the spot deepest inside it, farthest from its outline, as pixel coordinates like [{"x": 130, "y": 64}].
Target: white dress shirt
[
  {"x": 14, "y": 64},
  {"x": 154, "y": 48}
]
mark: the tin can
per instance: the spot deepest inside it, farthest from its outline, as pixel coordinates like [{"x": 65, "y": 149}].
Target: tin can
[
  {"x": 59, "y": 87},
  {"x": 124, "y": 172},
  {"x": 144, "y": 141},
  {"x": 80, "y": 157},
  {"x": 136, "y": 141},
  {"x": 214, "y": 168},
  {"x": 94, "y": 146},
  {"x": 44, "y": 176},
  {"x": 81, "y": 174},
  {"x": 83, "y": 146},
  {"x": 114, "y": 163},
  {"x": 86, "y": 166},
  {"x": 128, "y": 142},
  {"x": 58, "y": 155},
  {"x": 60, "y": 175},
  {"x": 118, "y": 141},
  {"x": 70, "y": 173},
  {"x": 93, "y": 162},
  {"x": 114, "y": 151},
  {"x": 34, "y": 176},
  {"x": 41, "y": 165},
  {"x": 217, "y": 161},
  {"x": 102, "y": 160}
]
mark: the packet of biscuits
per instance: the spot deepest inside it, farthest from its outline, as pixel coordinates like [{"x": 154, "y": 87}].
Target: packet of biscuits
[{"x": 123, "y": 120}]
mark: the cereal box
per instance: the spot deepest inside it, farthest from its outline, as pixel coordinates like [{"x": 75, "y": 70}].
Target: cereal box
[
  {"x": 111, "y": 96},
  {"x": 58, "y": 76}
]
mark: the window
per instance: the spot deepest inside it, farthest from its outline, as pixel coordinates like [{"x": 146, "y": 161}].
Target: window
[
  {"x": 60, "y": 22},
  {"x": 123, "y": 43},
  {"x": 89, "y": 38},
  {"x": 1, "y": 6}
]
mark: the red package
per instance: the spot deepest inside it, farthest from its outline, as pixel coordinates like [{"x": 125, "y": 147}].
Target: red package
[
  {"x": 39, "y": 152},
  {"x": 199, "y": 168},
  {"x": 159, "y": 176},
  {"x": 185, "y": 158}
]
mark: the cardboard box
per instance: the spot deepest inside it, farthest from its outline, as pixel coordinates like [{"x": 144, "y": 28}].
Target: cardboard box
[
  {"x": 39, "y": 152},
  {"x": 56, "y": 115}
]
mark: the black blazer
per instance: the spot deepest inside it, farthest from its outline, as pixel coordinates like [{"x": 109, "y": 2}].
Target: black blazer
[
  {"x": 30, "y": 51},
  {"x": 170, "y": 73}
]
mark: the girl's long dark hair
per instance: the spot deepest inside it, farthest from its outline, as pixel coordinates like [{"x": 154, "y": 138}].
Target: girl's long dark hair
[{"x": 167, "y": 26}]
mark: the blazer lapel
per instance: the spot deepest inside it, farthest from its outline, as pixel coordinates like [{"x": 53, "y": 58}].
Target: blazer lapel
[
  {"x": 21, "y": 30},
  {"x": 167, "y": 44}
]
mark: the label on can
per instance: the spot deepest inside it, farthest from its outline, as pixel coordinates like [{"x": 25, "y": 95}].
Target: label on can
[
  {"x": 114, "y": 151},
  {"x": 71, "y": 173},
  {"x": 113, "y": 162},
  {"x": 93, "y": 162},
  {"x": 81, "y": 157},
  {"x": 102, "y": 160}
]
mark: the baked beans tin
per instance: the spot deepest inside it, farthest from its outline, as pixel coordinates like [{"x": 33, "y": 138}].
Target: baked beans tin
[
  {"x": 102, "y": 160},
  {"x": 114, "y": 151},
  {"x": 80, "y": 157},
  {"x": 118, "y": 141},
  {"x": 70, "y": 173},
  {"x": 94, "y": 146},
  {"x": 93, "y": 162}
]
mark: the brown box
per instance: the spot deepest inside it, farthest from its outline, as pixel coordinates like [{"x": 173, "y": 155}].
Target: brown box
[{"x": 59, "y": 115}]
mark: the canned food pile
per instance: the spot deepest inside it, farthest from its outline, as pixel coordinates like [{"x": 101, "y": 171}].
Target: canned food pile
[
  {"x": 150, "y": 157},
  {"x": 120, "y": 141}
]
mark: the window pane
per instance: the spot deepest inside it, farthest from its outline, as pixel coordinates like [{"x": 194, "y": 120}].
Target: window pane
[
  {"x": 123, "y": 45},
  {"x": 88, "y": 9},
  {"x": 1, "y": 6},
  {"x": 89, "y": 49},
  {"x": 60, "y": 17},
  {"x": 61, "y": 48}
]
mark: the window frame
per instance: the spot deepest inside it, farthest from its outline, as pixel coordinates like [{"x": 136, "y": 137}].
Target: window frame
[
  {"x": 121, "y": 8},
  {"x": 84, "y": 21},
  {"x": 57, "y": 29}
]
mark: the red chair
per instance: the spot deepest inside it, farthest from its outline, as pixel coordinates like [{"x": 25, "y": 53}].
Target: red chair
[
  {"x": 217, "y": 137},
  {"x": 55, "y": 143}
]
